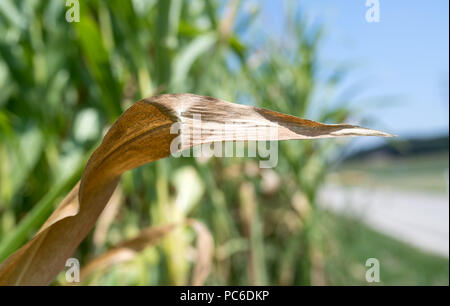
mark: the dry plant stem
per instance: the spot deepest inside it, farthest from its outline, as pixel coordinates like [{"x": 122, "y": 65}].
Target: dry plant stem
[
  {"x": 205, "y": 248},
  {"x": 106, "y": 218},
  {"x": 141, "y": 135}
]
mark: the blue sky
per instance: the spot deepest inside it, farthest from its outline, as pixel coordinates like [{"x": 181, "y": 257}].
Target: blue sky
[{"x": 402, "y": 59}]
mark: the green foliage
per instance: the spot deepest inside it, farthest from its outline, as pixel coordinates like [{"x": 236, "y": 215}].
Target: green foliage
[{"x": 348, "y": 242}]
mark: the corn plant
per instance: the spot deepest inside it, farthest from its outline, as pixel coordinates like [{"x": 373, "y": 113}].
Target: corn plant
[{"x": 65, "y": 84}]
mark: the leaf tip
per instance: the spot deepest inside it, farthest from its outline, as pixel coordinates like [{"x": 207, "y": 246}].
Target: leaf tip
[{"x": 360, "y": 131}]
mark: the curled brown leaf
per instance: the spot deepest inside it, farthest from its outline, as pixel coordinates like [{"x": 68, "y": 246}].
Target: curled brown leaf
[{"x": 141, "y": 135}]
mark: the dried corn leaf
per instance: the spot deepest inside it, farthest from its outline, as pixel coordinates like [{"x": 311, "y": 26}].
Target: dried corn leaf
[
  {"x": 128, "y": 249},
  {"x": 140, "y": 135}
]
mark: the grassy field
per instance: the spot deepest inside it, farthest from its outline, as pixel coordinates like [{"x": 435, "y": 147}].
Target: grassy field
[
  {"x": 424, "y": 173},
  {"x": 348, "y": 244}
]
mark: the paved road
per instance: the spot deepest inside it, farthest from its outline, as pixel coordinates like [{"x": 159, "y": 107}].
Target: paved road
[{"x": 417, "y": 218}]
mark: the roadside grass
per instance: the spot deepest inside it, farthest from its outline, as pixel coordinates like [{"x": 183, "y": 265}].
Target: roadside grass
[
  {"x": 428, "y": 173},
  {"x": 349, "y": 243}
]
